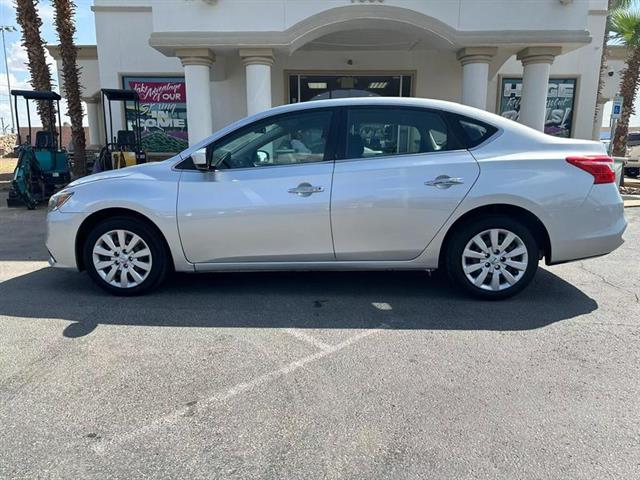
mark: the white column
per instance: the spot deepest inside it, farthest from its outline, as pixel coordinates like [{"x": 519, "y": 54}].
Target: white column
[
  {"x": 258, "y": 64},
  {"x": 535, "y": 83},
  {"x": 197, "y": 76},
  {"x": 475, "y": 74},
  {"x": 93, "y": 119}
]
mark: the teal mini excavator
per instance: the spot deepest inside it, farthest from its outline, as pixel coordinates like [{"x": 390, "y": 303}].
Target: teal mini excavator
[{"x": 43, "y": 166}]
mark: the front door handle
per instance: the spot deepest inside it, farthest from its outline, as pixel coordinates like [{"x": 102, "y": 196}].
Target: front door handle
[
  {"x": 305, "y": 190},
  {"x": 444, "y": 181}
]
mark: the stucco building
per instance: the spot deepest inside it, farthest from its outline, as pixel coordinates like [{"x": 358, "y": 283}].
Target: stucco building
[{"x": 201, "y": 64}]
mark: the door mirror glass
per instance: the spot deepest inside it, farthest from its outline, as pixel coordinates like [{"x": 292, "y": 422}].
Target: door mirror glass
[{"x": 199, "y": 158}]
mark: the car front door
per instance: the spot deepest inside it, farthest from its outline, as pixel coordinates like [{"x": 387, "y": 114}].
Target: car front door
[
  {"x": 403, "y": 175},
  {"x": 268, "y": 200}
]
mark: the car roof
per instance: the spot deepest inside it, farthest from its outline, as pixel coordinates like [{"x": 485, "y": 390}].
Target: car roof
[{"x": 377, "y": 101}]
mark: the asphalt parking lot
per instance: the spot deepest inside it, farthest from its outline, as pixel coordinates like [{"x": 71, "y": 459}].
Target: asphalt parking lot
[{"x": 317, "y": 375}]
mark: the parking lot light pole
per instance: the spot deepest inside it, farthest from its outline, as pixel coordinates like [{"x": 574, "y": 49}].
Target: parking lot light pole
[{"x": 8, "y": 28}]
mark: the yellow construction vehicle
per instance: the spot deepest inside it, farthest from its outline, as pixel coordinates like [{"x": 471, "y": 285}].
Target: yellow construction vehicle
[{"x": 125, "y": 148}]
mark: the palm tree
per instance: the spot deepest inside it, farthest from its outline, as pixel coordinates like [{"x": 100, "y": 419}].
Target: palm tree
[
  {"x": 63, "y": 18},
  {"x": 613, "y": 6},
  {"x": 625, "y": 25},
  {"x": 28, "y": 19}
]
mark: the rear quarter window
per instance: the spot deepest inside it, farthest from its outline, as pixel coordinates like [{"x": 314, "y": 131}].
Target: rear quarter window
[{"x": 474, "y": 132}]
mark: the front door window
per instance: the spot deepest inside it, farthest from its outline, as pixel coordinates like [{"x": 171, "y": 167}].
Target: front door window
[{"x": 288, "y": 139}]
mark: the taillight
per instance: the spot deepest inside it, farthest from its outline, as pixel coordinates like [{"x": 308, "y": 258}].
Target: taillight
[{"x": 600, "y": 166}]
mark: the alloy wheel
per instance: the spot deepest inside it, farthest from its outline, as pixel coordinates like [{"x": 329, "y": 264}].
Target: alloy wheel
[
  {"x": 122, "y": 258},
  {"x": 495, "y": 259}
]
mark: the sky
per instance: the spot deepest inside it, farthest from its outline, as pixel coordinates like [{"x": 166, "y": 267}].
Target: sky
[
  {"x": 17, "y": 56},
  {"x": 85, "y": 35}
]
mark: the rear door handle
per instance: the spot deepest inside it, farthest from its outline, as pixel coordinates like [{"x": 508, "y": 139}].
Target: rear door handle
[
  {"x": 305, "y": 190},
  {"x": 444, "y": 181}
]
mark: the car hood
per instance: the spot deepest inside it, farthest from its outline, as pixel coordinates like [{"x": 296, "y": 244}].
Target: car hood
[{"x": 111, "y": 174}]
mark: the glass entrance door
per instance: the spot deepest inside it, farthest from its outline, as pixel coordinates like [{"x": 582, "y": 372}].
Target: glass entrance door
[{"x": 303, "y": 88}]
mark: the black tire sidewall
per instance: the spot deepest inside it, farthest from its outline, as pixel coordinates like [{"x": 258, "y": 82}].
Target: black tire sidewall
[
  {"x": 150, "y": 237},
  {"x": 461, "y": 237}
]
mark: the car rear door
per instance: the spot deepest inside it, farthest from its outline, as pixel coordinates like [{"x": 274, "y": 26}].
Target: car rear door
[
  {"x": 268, "y": 201},
  {"x": 403, "y": 175}
]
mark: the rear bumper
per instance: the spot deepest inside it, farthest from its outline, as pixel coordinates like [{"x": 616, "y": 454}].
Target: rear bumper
[{"x": 591, "y": 230}]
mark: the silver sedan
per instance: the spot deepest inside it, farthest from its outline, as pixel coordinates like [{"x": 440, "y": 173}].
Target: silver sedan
[{"x": 375, "y": 183}]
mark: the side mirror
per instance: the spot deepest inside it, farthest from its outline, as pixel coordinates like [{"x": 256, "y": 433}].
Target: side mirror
[
  {"x": 199, "y": 158},
  {"x": 263, "y": 157}
]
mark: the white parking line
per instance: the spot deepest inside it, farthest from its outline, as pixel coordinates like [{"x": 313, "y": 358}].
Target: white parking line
[
  {"x": 173, "y": 417},
  {"x": 308, "y": 338}
]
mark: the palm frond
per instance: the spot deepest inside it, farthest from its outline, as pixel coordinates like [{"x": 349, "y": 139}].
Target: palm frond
[
  {"x": 622, "y": 4},
  {"x": 625, "y": 27}
]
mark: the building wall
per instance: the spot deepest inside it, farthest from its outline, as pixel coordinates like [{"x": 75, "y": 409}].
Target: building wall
[
  {"x": 278, "y": 15},
  {"x": 583, "y": 63},
  {"x": 228, "y": 93},
  {"x": 123, "y": 48},
  {"x": 437, "y": 75},
  {"x": 124, "y": 27}
]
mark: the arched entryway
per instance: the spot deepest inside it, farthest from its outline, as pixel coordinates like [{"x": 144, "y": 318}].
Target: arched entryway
[
  {"x": 362, "y": 50},
  {"x": 370, "y": 49}
]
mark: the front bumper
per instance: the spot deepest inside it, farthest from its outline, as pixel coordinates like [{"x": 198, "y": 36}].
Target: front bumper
[{"x": 62, "y": 230}]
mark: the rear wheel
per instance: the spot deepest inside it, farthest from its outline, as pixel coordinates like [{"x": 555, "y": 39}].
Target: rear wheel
[
  {"x": 493, "y": 257},
  {"x": 125, "y": 256}
]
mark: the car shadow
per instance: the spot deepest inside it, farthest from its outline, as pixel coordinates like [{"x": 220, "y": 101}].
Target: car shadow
[{"x": 346, "y": 300}]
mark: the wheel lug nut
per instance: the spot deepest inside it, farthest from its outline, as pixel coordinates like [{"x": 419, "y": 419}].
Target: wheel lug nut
[
  {"x": 497, "y": 267},
  {"x": 487, "y": 264}
]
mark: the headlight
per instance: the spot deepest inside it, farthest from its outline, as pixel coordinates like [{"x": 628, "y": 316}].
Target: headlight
[{"x": 59, "y": 199}]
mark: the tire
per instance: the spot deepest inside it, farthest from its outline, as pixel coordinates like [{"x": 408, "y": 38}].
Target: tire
[
  {"x": 144, "y": 265},
  {"x": 473, "y": 271}
]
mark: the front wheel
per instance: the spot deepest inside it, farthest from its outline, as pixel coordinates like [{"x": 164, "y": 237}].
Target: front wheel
[
  {"x": 125, "y": 256},
  {"x": 493, "y": 257}
]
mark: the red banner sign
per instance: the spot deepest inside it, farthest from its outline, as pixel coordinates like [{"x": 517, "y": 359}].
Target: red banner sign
[{"x": 160, "y": 92}]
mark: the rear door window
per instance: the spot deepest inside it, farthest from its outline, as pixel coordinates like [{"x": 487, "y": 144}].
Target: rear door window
[{"x": 382, "y": 132}]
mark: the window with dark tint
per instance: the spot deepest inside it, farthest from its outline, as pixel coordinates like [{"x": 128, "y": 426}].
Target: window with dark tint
[
  {"x": 377, "y": 132},
  {"x": 633, "y": 139},
  {"x": 474, "y": 132}
]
